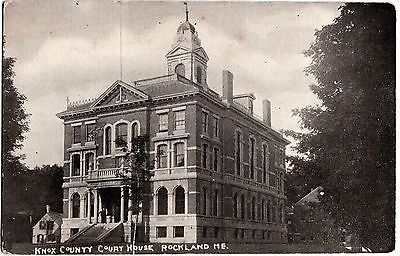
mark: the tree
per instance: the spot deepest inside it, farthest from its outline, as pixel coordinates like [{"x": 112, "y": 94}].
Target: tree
[
  {"x": 136, "y": 173},
  {"x": 348, "y": 143},
  {"x": 14, "y": 117},
  {"x": 14, "y": 125}
]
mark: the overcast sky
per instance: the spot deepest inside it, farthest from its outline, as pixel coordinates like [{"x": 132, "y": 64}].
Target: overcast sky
[{"x": 71, "y": 49}]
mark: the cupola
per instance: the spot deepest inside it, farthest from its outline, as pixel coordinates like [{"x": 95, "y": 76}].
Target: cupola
[{"x": 187, "y": 58}]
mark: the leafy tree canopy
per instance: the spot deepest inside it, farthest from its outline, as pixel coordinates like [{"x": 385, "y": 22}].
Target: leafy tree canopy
[
  {"x": 348, "y": 146},
  {"x": 14, "y": 117}
]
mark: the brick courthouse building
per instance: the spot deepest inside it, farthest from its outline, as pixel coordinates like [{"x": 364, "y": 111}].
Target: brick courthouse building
[{"x": 219, "y": 170}]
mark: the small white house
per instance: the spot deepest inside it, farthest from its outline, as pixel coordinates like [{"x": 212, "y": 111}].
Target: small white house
[{"x": 48, "y": 228}]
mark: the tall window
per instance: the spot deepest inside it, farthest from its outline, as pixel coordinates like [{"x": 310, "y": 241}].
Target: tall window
[
  {"x": 179, "y": 152},
  {"x": 163, "y": 122},
  {"x": 235, "y": 206},
  {"x": 265, "y": 162},
  {"x": 204, "y": 155},
  {"x": 273, "y": 213},
  {"x": 76, "y": 165},
  {"x": 180, "y": 120},
  {"x": 238, "y": 152},
  {"x": 272, "y": 180},
  {"x": 162, "y": 156},
  {"x": 216, "y": 157},
  {"x": 198, "y": 74},
  {"x": 90, "y": 128},
  {"x": 76, "y": 134},
  {"x": 162, "y": 198},
  {"x": 216, "y": 127},
  {"x": 180, "y": 200},
  {"x": 121, "y": 133},
  {"x": 242, "y": 206},
  {"x": 269, "y": 211},
  {"x": 204, "y": 201},
  {"x": 215, "y": 203},
  {"x": 204, "y": 122},
  {"x": 263, "y": 209},
  {"x": 107, "y": 146},
  {"x": 76, "y": 205},
  {"x": 89, "y": 162},
  {"x": 134, "y": 131},
  {"x": 252, "y": 152},
  {"x": 253, "y": 208}
]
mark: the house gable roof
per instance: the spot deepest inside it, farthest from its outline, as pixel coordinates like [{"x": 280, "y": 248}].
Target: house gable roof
[
  {"x": 52, "y": 216},
  {"x": 311, "y": 197}
]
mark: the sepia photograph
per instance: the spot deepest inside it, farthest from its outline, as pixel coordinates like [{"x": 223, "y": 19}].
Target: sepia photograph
[{"x": 199, "y": 127}]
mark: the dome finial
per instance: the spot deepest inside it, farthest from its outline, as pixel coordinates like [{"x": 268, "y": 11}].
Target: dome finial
[{"x": 187, "y": 11}]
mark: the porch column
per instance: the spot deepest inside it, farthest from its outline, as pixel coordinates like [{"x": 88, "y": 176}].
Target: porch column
[
  {"x": 82, "y": 207},
  {"x": 122, "y": 204},
  {"x": 171, "y": 207},
  {"x": 88, "y": 207},
  {"x": 130, "y": 205},
  {"x": 186, "y": 202},
  {"x": 96, "y": 206}
]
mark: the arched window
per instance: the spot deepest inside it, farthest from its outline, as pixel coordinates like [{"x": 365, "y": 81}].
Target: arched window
[
  {"x": 269, "y": 211},
  {"x": 235, "y": 206},
  {"x": 180, "y": 69},
  {"x": 215, "y": 203},
  {"x": 135, "y": 131},
  {"x": 76, "y": 205},
  {"x": 76, "y": 165},
  {"x": 107, "y": 141},
  {"x": 204, "y": 201},
  {"x": 179, "y": 152},
  {"x": 179, "y": 200},
  {"x": 199, "y": 72},
  {"x": 89, "y": 162},
  {"x": 162, "y": 201},
  {"x": 162, "y": 156},
  {"x": 242, "y": 206},
  {"x": 121, "y": 134}
]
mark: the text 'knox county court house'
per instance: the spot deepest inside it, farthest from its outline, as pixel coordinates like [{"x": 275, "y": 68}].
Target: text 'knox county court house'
[{"x": 219, "y": 170}]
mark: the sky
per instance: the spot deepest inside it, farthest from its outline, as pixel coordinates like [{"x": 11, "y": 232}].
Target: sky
[{"x": 72, "y": 49}]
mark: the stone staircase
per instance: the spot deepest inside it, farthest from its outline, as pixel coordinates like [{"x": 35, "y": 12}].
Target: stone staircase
[{"x": 111, "y": 232}]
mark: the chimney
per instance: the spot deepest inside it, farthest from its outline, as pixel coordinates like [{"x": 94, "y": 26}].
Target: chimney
[
  {"x": 227, "y": 86},
  {"x": 267, "y": 112},
  {"x": 47, "y": 208}
]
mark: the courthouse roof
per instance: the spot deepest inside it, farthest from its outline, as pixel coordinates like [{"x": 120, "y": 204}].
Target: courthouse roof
[{"x": 141, "y": 90}]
